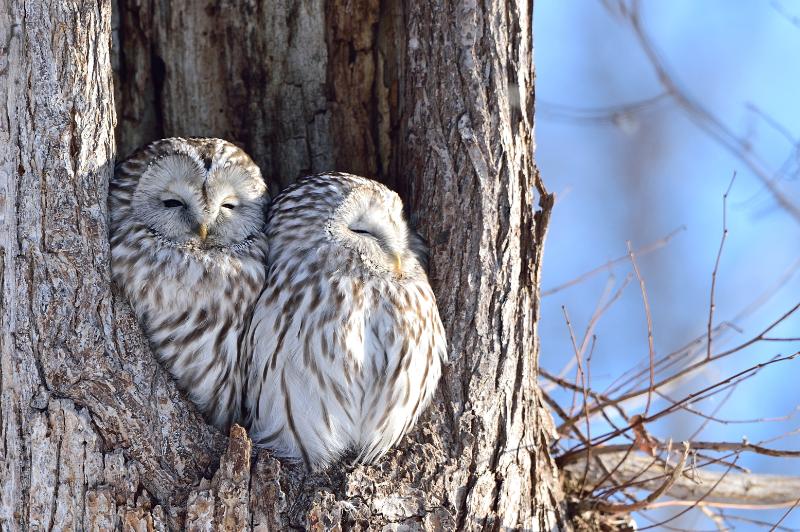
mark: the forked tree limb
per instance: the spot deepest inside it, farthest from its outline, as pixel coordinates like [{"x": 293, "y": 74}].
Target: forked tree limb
[{"x": 739, "y": 490}]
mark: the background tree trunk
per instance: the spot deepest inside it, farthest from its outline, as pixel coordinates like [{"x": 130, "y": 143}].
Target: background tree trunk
[{"x": 436, "y": 100}]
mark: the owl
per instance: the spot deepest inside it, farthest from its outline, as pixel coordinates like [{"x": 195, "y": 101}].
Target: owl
[
  {"x": 345, "y": 346},
  {"x": 189, "y": 252}
]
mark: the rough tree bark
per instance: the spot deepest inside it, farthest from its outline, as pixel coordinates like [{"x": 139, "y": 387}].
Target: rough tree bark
[
  {"x": 87, "y": 415},
  {"x": 434, "y": 99}
]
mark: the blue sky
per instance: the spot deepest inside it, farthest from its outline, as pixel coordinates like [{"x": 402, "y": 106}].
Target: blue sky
[{"x": 640, "y": 175}]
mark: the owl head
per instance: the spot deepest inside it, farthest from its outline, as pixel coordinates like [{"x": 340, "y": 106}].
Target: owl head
[
  {"x": 201, "y": 193},
  {"x": 369, "y": 220},
  {"x": 360, "y": 216}
]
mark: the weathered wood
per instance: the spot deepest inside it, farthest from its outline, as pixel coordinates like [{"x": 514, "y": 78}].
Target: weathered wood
[
  {"x": 465, "y": 156},
  {"x": 252, "y": 72},
  {"x": 92, "y": 429},
  {"x": 738, "y": 489},
  {"x": 435, "y": 99}
]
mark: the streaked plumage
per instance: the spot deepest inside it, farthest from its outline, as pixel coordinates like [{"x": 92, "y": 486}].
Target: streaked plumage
[
  {"x": 189, "y": 251},
  {"x": 345, "y": 345}
]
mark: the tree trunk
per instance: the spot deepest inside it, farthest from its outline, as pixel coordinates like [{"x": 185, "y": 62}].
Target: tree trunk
[
  {"x": 87, "y": 416},
  {"x": 436, "y": 100}
]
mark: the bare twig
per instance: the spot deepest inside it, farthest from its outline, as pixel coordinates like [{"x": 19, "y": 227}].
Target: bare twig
[
  {"x": 784, "y": 516},
  {"x": 754, "y": 490},
  {"x": 705, "y": 120},
  {"x": 687, "y": 351},
  {"x": 692, "y": 367},
  {"x": 774, "y": 124},
  {"x": 601, "y": 308},
  {"x": 787, "y": 275},
  {"x": 711, "y": 303},
  {"x": 744, "y": 446},
  {"x": 717, "y": 519},
  {"x": 758, "y": 522},
  {"x": 559, "y": 411},
  {"x": 727, "y": 505},
  {"x": 594, "y": 395},
  {"x": 584, "y": 390},
  {"x": 649, "y": 519},
  {"x": 612, "y": 114},
  {"x": 655, "y": 494},
  {"x": 696, "y": 445},
  {"x": 577, "y": 355},
  {"x": 649, "y": 248},
  {"x": 694, "y": 396},
  {"x": 706, "y": 418},
  {"x": 632, "y": 376},
  {"x": 648, "y": 316}
]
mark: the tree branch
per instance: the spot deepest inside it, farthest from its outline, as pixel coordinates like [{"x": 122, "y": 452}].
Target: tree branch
[{"x": 738, "y": 488}]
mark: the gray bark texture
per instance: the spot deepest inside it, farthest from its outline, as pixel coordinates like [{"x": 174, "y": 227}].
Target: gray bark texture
[{"x": 433, "y": 98}]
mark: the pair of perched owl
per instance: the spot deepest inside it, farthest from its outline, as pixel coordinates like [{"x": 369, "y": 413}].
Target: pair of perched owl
[{"x": 309, "y": 318}]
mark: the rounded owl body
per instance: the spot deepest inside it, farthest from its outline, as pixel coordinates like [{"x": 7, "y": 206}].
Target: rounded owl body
[
  {"x": 346, "y": 344},
  {"x": 189, "y": 252}
]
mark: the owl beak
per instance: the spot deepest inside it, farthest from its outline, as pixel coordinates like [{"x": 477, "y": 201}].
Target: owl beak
[
  {"x": 202, "y": 231},
  {"x": 397, "y": 261}
]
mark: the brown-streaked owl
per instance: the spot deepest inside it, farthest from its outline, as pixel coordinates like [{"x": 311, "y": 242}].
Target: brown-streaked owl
[
  {"x": 189, "y": 251},
  {"x": 345, "y": 345}
]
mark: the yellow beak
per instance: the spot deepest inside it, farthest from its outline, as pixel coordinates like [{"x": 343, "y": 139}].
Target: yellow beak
[
  {"x": 398, "y": 263},
  {"x": 202, "y": 231}
]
